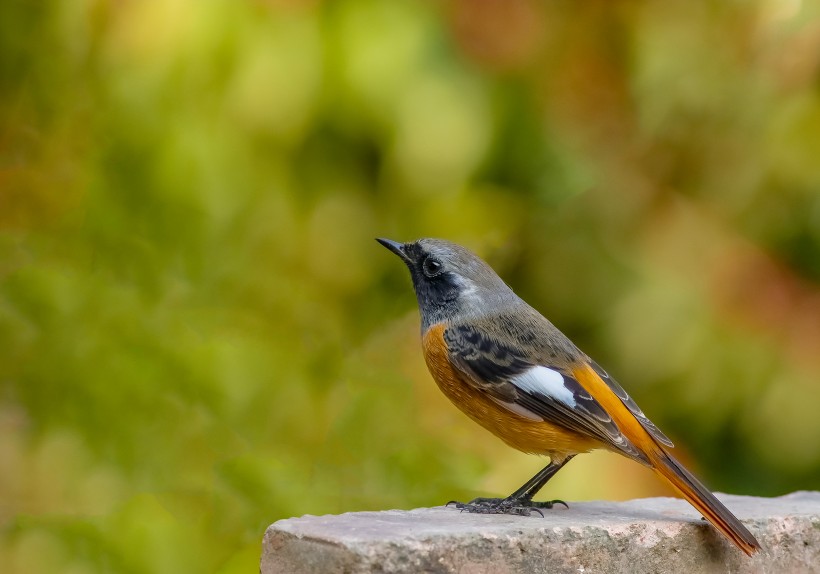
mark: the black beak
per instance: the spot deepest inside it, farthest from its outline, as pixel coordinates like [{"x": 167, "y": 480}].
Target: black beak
[{"x": 394, "y": 246}]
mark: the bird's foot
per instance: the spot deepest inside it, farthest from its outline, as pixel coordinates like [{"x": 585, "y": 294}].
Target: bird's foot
[{"x": 519, "y": 506}]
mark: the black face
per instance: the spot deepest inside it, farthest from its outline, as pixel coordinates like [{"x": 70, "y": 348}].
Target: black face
[{"x": 437, "y": 287}]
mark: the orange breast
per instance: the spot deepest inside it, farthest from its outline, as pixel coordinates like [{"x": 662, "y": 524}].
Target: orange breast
[{"x": 541, "y": 437}]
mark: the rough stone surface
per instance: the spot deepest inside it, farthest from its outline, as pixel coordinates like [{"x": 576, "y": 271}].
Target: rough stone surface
[{"x": 646, "y": 535}]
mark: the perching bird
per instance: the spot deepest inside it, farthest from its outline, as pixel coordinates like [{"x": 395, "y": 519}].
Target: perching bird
[{"x": 513, "y": 372}]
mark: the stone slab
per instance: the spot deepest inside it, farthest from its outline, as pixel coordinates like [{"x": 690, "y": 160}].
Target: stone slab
[{"x": 644, "y": 535}]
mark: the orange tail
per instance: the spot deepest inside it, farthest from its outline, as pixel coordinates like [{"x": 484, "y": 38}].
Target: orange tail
[{"x": 701, "y": 498}]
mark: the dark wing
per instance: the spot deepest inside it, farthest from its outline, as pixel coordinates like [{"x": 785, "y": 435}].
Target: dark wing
[
  {"x": 525, "y": 387},
  {"x": 631, "y": 405}
]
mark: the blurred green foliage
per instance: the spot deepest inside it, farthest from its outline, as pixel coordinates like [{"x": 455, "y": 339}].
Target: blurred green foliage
[{"x": 198, "y": 335}]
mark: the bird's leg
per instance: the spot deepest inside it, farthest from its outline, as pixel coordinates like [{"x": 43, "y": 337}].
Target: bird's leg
[{"x": 520, "y": 501}]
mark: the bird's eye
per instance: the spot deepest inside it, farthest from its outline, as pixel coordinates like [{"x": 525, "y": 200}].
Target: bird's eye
[{"x": 431, "y": 267}]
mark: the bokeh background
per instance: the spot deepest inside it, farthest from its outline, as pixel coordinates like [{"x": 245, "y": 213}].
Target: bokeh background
[{"x": 199, "y": 336}]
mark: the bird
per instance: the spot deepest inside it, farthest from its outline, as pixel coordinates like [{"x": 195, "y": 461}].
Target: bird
[{"x": 509, "y": 369}]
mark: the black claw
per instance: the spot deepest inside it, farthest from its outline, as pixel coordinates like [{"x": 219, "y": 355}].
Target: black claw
[
  {"x": 549, "y": 504},
  {"x": 520, "y": 507}
]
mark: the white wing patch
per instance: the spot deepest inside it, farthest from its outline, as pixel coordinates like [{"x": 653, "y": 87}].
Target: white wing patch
[{"x": 545, "y": 381}]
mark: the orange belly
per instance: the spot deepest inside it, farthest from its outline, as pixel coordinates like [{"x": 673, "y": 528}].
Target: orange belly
[{"x": 540, "y": 437}]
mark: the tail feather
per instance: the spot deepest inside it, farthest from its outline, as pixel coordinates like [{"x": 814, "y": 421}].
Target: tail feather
[{"x": 701, "y": 498}]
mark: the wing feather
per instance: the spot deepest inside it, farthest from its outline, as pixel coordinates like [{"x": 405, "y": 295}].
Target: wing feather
[
  {"x": 631, "y": 405},
  {"x": 499, "y": 370}
]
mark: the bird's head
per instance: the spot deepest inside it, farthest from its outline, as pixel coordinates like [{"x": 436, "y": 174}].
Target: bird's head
[{"x": 451, "y": 282}]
